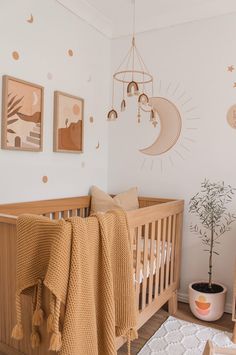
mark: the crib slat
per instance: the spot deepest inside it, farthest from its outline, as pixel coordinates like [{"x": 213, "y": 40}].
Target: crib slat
[
  {"x": 145, "y": 264},
  {"x": 168, "y": 251},
  {"x": 82, "y": 212},
  {"x": 56, "y": 215},
  {"x": 163, "y": 247},
  {"x": 179, "y": 225},
  {"x": 65, "y": 214},
  {"x": 172, "y": 260},
  {"x": 138, "y": 261},
  {"x": 158, "y": 237},
  {"x": 73, "y": 213},
  {"x": 152, "y": 250}
]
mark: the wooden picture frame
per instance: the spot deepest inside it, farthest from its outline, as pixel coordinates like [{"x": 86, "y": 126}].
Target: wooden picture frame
[
  {"x": 68, "y": 123},
  {"x": 22, "y": 115}
]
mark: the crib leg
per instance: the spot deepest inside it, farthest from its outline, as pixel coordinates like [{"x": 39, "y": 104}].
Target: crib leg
[
  {"x": 173, "y": 304},
  {"x": 234, "y": 334}
]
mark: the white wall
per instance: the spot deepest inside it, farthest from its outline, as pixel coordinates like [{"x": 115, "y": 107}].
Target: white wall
[
  {"x": 43, "y": 47},
  {"x": 194, "y": 56}
]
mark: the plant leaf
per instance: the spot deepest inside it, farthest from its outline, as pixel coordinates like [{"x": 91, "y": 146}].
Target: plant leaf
[
  {"x": 11, "y": 101},
  {"x": 14, "y": 112},
  {"x": 10, "y": 131},
  {"x": 12, "y": 121},
  {"x": 14, "y": 104}
]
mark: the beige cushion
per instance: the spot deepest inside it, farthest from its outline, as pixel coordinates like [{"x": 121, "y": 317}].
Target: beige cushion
[{"x": 102, "y": 202}]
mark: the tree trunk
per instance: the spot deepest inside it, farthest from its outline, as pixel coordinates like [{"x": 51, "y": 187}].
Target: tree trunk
[{"x": 211, "y": 257}]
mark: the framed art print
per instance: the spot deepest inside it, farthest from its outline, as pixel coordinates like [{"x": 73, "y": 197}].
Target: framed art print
[
  {"x": 68, "y": 123},
  {"x": 22, "y": 115}
]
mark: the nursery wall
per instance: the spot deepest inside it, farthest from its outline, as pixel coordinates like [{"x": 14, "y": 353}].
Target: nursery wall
[
  {"x": 190, "y": 64},
  {"x": 42, "y": 43}
]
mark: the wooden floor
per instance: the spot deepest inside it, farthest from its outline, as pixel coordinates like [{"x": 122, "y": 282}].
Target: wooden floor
[
  {"x": 184, "y": 313},
  {"x": 156, "y": 321}
]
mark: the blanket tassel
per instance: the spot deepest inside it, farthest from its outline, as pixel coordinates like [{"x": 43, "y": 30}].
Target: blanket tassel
[
  {"x": 17, "y": 332},
  {"x": 35, "y": 339},
  {"x": 38, "y": 317},
  {"x": 50, "y": 322},
  {"x": 38, "y": 312},
  {"x": 132, "y": 334},
  {"x": 55, "y": 342}
]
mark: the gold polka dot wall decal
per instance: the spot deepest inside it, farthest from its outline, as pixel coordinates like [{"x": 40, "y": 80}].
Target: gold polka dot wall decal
[
  {"x": 231, "y": 116},
  {"x": 70, "y": 53},
  {"x": 91, "y": 119},
  {"x": 44, "y": 179},
  {"x": 30, "y": 19},
  {"x": 15, "y": 55},
  {"x": 98, "y": 145}
]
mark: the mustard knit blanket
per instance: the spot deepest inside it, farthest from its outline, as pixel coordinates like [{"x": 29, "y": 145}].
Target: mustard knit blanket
[{"x": 86, "y": 263}]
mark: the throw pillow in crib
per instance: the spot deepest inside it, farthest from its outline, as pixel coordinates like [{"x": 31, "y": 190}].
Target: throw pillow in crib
[{"x": 102, "y": 202}]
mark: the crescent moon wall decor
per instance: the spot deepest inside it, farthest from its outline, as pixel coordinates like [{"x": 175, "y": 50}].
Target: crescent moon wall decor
[{"x": 170, "y": 126}]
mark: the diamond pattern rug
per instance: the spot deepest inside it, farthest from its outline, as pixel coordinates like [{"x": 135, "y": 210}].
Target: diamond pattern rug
[{"x": 178, "y": 337}]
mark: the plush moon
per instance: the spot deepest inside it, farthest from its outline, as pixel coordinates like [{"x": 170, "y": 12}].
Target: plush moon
[
  {"x": 170, "y": 126},
  {"x": 35, "y": 98}
]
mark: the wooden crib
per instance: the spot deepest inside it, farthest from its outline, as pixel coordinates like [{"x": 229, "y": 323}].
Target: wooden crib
[{"x": 156, "y": 230}]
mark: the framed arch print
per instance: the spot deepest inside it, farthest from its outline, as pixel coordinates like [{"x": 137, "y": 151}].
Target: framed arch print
[
  {"x": 68, "y": 123},
  {"x": 22, "y": 115}
]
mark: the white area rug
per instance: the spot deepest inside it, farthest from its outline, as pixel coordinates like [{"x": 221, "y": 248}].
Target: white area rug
[{"x": 177, "y": 337}]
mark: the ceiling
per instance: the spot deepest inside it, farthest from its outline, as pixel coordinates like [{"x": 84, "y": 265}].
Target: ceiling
[{"x": 114, "y": 17}]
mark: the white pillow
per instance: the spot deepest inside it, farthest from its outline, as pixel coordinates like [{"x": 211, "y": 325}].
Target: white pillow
[{"x": 102, "y": 202}]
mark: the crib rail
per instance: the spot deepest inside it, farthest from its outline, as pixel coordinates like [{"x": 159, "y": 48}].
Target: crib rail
[
  {"x": 54, "y": 209},
  {"x": 60, "y": 208}
]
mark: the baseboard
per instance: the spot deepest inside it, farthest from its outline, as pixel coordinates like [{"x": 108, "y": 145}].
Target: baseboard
[{"x": 183, "y": 297}]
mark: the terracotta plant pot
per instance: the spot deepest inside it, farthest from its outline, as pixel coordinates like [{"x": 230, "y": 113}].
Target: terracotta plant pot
[{"x": 204, "y": 305}]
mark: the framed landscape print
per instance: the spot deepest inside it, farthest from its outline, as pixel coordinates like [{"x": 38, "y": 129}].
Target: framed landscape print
[
  {"x": 22, "y": 115},
  {"x": 68, "y": 123}
]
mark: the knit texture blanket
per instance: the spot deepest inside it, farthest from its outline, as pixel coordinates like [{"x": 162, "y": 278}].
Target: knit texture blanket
[{"x": 87, "y": 265}]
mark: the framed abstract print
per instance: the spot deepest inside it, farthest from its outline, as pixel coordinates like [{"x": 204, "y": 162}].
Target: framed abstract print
[
  {"x": 68, "y": 123},
  {"x": 22, "y": 115}
]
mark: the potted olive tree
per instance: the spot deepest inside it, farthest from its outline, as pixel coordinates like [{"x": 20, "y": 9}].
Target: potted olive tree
[{"x": 206, "y": 298}]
